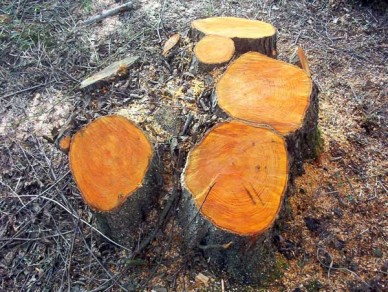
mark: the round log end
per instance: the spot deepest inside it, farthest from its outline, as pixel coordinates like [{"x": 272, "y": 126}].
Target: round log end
[
  {"x": 64, "y": 144},
  {"x": 263, "y": 90},
  {"x": 214, "y": 50},
  {"x": 234, "y": 27},
  {"x": 109, "y": 159},
  {"x": 237, "y": 177}
]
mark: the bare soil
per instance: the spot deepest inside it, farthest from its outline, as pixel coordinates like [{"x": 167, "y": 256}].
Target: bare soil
[{"x": 335, "y": 236}]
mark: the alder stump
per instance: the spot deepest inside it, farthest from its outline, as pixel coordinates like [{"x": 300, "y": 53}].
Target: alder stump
[
  {"x": 262, "y": 90},
  {"x": 234, "y": 183},
  {"x": 212, "y": 51},
  {"x": 114, "y": 166},
  {"x": 248, "y": 35}
]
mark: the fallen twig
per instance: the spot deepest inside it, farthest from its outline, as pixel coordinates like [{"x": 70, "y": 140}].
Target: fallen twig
[
  {"x": 108, "y": 13},
  {"x": 25, "y": 89}
]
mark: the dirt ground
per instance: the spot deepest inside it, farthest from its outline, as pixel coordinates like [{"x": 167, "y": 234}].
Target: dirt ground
[{"x": 335, "y": 238}]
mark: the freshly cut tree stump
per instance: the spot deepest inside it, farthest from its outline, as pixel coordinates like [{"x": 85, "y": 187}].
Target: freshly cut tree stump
[
  {"x": 213, "y": 51},
  {"x": 114, "y": 166},
  {"x": 234, "y": 182},
  {"x": 263, "y": 90},
  {"x": 248, "y": 35}
]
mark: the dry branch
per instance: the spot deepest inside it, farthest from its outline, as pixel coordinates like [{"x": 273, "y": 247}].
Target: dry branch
[{"x": 108, "y": 13}]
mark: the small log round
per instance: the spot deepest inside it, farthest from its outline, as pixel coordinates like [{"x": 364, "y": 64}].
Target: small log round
[
  {"x": 234, "y": 182},
  {"x": 263, "y": 90},
  {"x": 114, "y": 166},
  {"x": 213, "y": 51},
  {"x": 64, "y": 144},
  {"x": 248, "y": 35}
]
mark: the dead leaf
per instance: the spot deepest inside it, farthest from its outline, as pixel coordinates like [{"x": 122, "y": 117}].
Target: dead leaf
[
  {"x": 202, "y": 278},
  {"x": 170, "y": 43}
]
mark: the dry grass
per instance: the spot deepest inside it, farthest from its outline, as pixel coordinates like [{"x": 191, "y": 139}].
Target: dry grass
[{"x": 337, "y": 237}]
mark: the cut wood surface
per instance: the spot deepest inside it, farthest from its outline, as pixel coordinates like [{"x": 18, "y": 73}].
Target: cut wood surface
[
  {"x": 238, "y": 175},
  {"x": 248, "y": 35},
  {"x": 263, "y": 90},
  {"x": 234, "y": 183},
  {"x": 170, "y": 43},
  {"x": 64, "y": 144},
  {"x": 112, "y": 162},
  {"x": 110, "y": 71},
  {"x": 109, "y": 159},
  {"x": 214, "y": 50}
]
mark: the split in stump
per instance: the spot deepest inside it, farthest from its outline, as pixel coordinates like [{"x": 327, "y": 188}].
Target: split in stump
[
  {"x": 234, "y": 182},
  {"x": 248, "y": 35},
  {"x": 213, "y": 51},
  {"x": 114, "y": 165},
  {"x": 299, "y": 59}
]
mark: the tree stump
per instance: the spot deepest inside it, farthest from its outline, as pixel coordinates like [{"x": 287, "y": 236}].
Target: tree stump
[
  {"x": 262, "y": 90},
  {"x": 234, "y": 183},
  {"x": 248, "y": 35},
  {"x": 212, "y": 51},
  {"x": 114, "y": 166}
]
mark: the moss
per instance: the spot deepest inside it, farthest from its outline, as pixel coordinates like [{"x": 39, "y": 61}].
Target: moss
[
  {"x": 87, "y": 5},
  {"x": 313, "y": 286},
  {"x": 279, "y": 266}
]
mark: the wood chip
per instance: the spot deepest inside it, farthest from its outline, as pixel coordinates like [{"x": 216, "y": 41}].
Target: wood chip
[
  {"x": 5, "y": 18},
  {"x": 202, "y": 278},
  {"x": 112, "y": 70},
  {"x": 170, "y": 43}
]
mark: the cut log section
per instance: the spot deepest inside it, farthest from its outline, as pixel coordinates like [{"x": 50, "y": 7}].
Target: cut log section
[
  {"x": 263, "y": 90},
  {"x": 64, "y": 144},
  {"x": 248, "y": 35},
  {"x": 114, "y": 166},
  {"x": 234, "y": 182},
  {"x": 116, "y": 68},
  {"x": 213, "y": 51}
]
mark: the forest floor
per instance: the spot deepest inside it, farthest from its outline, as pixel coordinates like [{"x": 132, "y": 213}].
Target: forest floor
[{"x": 336, "y": 237}]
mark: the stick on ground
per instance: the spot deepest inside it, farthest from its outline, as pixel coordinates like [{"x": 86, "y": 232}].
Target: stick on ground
[{"x": 108, "y": 13}]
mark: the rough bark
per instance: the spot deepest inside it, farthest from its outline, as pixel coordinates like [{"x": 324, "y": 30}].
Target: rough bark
[
  {"x": 305, "y": 143},
  {"x": 244, "y": 259},
  {"x": 199, "y": 67}
]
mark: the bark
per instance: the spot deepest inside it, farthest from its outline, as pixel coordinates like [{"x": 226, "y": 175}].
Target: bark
[
  {"x": 244, "y": 259},
  {"x": 199, "y": 67},
  {"x": 305, "y": 143}
]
